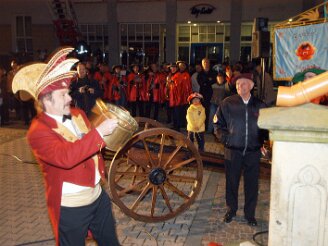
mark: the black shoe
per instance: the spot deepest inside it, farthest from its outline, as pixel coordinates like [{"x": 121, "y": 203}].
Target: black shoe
[
  {"x": 252, "y": 222},
  {"x": 228, "y": 216}
]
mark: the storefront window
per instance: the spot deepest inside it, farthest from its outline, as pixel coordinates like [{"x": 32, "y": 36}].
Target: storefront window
[
  {"x": 145, "y": 43},
  {"x": 200, "y": 40},
  {"x": 184, "y": 34},
  {"x": 24, "y": 34},
  {"x": 97, "y": 38},
  {"x": 213, "y": 41},
  {"x": 183, "y": 53}
]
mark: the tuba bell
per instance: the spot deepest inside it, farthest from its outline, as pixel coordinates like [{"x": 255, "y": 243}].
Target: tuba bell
[{"x": 127, "y": 125}]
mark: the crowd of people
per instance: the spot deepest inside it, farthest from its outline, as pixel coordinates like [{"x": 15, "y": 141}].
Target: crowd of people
[{"x": 143, "y": 90}]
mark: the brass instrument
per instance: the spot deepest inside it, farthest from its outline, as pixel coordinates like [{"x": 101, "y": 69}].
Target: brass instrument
[{"x": 127, "y": 125}]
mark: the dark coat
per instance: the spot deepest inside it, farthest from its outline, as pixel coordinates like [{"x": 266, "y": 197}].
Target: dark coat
[
  {"x": 205, "y": 81},
  {"x": 87, "y": 100},
  {"x": 236, "y": 126}
]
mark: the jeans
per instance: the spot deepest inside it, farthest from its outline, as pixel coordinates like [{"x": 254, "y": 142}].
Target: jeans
[{"x": 213, "y": 109}]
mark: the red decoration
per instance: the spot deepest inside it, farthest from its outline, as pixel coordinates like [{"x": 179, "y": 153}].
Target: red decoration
[{"x": 305, "y": 51}]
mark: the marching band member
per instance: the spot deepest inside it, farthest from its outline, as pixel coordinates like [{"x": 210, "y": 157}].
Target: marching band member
[
  {"x": 103, "y": 77},
  {"x": 186, "y": 88},
  {"x": 117, "y": 91},
  {"x": 155, "y": 90},
  {"x": 136, "y": 90}
]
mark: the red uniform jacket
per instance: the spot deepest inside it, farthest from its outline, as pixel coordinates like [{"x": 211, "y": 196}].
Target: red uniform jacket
[
  {"x": 179, "y": 89},
  {"x": 103, "y": 80},
  {"x": 172, "y": 90},
  {"x": 136, "y": 87},
  {"x": 64, "y": 158},
  {"x": 156, "y": 87},
  {"x": 116, "y": 86},
  {"x": 185, "y": 88}
]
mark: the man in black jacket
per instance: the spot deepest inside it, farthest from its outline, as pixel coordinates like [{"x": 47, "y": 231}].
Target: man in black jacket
[
  {"x": 236, "y": 127},
  {"x": 206, "y": 78},
  {"x": 84, "y": 91}
]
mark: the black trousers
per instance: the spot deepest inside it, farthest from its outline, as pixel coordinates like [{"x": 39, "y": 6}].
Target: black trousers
[
  {"x": 200, "y": 138},
  {"x": 97, "y": 217},
  {"x": 177, "y": 116},
  {"x": 235, "y": 164},
  {"x": 149, "y": 106},
  {"x": 134, "y": 106}
]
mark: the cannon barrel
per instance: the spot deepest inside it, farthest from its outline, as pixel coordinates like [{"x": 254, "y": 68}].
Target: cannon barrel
[{"x": 303, "y": 92}]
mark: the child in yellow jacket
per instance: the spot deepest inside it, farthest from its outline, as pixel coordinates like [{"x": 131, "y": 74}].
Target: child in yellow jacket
[{"x": 196, "y": 120}]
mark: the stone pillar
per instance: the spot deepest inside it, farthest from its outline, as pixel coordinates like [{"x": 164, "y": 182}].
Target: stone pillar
[
  {"x": 299, "y": 177},
  {"x": 235, "y": 30},
  {"x": 113, "y": 34},
  {"x": 171, "y": 18}
]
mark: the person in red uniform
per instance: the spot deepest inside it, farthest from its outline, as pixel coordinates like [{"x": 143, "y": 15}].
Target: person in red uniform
[
  {"x": 171, "y": 93},
  {"x": 179, "y": 92},
  {"x": 179, "y": 86},
  {"x": 67, "y": 149},
  {"x": 103, "y": 77},
  {"x": 136, "y": 86},
  {"x": 165, "y": 72},
  {"x": 155, "y": 90},
  {"x": 117, "y": 91}
]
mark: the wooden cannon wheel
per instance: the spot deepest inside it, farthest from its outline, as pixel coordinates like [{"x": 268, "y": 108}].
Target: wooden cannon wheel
[{"x": 156, "y": 175}]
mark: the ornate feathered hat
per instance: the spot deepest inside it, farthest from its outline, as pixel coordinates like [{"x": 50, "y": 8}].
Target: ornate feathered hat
[{"x": 41, "y": 78}]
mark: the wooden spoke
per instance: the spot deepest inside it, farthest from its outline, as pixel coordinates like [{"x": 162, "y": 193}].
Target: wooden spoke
[
  {"x": 153, "y": 200},
  {"x": 166, "y": 198},
  {"x": 133, "y": 174},
  {"x": 178, "y": 178},
  {"x": 146, "y": 125},
  {"x": 181, "y": 164},
  {"x": 141, "y": 196},
  {"x": 130, "y": 188},
  {"x": 172, "y": 156},
  {"x": 160, "y": 154},
  {"x": 176, "y": 190},
  {"x": 148, "y": 153},
  {"x": 122, "y": 174}
]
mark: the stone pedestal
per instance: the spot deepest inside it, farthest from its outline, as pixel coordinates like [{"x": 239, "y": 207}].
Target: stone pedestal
[{"x": 299, "y": 178}]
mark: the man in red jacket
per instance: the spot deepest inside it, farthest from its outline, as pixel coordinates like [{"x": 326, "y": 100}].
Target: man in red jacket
[
  {"x": 155, "y": 90},
  {"x": 136, "y": 88},
  {"x": 68, "y": 151}
]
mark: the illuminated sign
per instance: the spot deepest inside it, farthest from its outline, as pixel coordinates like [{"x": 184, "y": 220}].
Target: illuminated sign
[{"x": 202, "y": 9}]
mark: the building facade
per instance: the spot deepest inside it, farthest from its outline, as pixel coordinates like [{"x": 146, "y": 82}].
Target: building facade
[{"x": 142, "y": 31}]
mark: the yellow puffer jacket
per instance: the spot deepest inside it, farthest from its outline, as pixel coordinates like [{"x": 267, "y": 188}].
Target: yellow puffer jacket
[{"x": 196, "y": 118}]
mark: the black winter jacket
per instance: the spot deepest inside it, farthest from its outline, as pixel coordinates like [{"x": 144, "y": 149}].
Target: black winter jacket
[
  {"x": 205, "y": 81},
  {"x": 235, "y": 124}
]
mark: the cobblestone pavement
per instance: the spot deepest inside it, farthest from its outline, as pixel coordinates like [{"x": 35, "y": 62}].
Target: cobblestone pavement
[{"x": 24, "y": 219}]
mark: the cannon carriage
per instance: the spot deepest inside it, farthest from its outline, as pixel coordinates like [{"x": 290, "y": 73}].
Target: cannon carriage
[{"x": 154, "y": 173}]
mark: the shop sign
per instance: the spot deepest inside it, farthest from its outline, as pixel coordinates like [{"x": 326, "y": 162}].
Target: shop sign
[{"x": 202, "y": 9}]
